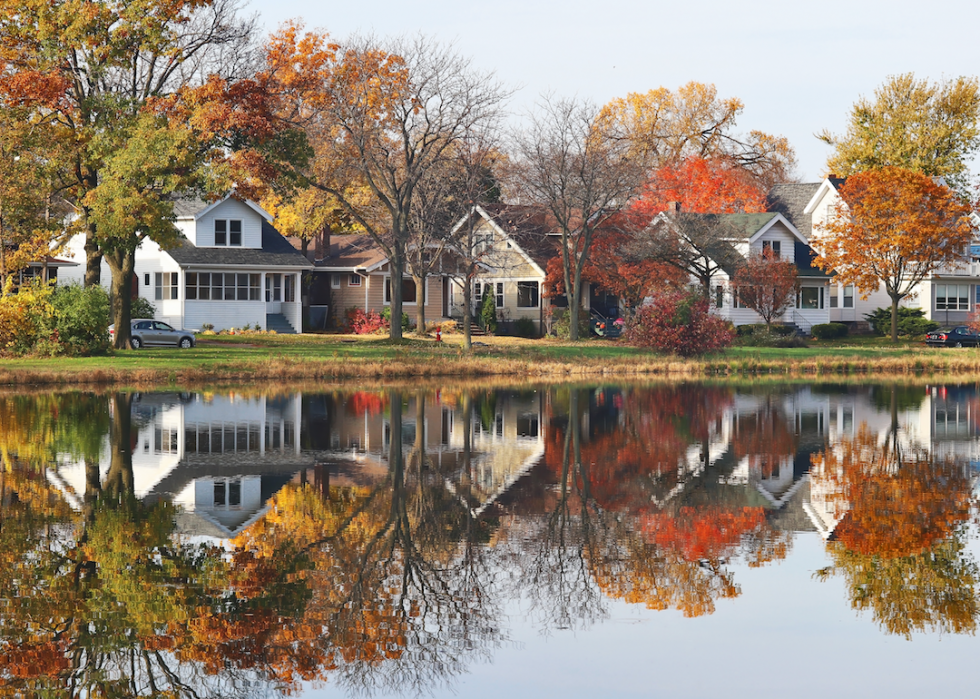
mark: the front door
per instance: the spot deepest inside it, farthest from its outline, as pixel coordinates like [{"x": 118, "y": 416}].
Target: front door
[{"x": 273, "y": 293}]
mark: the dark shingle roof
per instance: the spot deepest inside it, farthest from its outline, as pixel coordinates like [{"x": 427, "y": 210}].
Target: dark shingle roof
[
  {"x": 276, "y": 251},
  {"x": 528, "y": 226},
  {"x": 790, "y": 200}
]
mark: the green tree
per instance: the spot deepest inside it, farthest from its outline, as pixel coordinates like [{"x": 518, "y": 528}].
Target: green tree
[
  {"x": 488, "y": 310},
  {"x": 912, "y": 124}
]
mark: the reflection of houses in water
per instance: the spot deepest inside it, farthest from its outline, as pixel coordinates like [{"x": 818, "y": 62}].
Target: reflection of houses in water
[{"x": 944, "y": 420}]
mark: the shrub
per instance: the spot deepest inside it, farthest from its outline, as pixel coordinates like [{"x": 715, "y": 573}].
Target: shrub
[
  {"x": 386, "y": 317},
  {"x": 679, "y": 322},
  {"x": 81, "y": 318},
  {"x": 829, "y": 331},
  {"x": 524, "y": 327},
  {"x": 777, "y": 329},
  {"x": 362, "y": 322},
  {"x": 40, "y": 320},
  {"x": 761, "y": 338},
  {"x": 143, "y": 308},
  {"x": 487, "y": 317},
  {"x": 562, "y": 324},
  {"x": 447, "y": 326},
  {"x": 911, "y": 321}
]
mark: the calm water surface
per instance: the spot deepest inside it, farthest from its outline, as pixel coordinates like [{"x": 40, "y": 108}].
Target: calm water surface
[{"x": 673, "y": 541}]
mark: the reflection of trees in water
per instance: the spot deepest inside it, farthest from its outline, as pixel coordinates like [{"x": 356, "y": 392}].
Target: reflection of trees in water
[{"x": 899, "y": 540}]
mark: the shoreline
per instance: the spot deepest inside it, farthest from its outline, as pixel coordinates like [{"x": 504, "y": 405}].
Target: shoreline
[{"x": 318, "y": 359}]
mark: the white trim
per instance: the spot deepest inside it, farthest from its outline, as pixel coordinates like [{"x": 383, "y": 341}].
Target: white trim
[
  {"x": 247, "y": 202},
  {"x": 825, "y": 186},
  {"x": 772, "y": 222}
]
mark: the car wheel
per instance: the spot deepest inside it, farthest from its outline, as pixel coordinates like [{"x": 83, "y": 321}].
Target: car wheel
[
  {"x": 185, "y": 343},
  {"x": 135, "y": 342},
  {"x": 959, "y": 344}
]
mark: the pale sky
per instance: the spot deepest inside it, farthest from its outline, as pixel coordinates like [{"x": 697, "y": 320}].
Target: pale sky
[{"x": 797, "y": 67}]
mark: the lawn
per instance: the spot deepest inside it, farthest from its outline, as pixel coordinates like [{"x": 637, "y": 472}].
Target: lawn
[{"x": 259, "y": 357}]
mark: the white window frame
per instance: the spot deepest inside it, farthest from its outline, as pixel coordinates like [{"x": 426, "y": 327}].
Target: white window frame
[
  {"x": 537, "y": 285},
  {"x": 354, "y": 280},
  {"x": 228, "y": 232}
]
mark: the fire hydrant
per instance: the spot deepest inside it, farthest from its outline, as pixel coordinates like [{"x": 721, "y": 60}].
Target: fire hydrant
[{"x": 438, "y": 333}]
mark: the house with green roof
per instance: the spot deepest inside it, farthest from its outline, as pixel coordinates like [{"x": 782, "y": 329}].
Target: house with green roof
[{"x": 730, "y": 239}]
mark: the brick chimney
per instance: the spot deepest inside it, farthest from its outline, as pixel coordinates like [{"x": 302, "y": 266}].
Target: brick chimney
[
  {"x": 673, "y": 207},
  {"x": 321, "y": 249}
]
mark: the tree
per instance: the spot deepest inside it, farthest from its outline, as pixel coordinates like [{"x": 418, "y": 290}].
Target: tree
[
  {"x": 912, "y": 124},
  {"x": 700, "y": 245},
  {"x": 669, "y": 127},
  {"x": 893, "y": 227},
  {"x": 571, "y": 165},
  {"x": 701, "y": 185},
  {"x": 766, "y": 285},
  {"x": 377, "y": 116},
  {"x": 96, "y": 75}
]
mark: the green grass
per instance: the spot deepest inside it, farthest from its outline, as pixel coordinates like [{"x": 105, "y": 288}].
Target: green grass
[{"x": 291, "y": 358}]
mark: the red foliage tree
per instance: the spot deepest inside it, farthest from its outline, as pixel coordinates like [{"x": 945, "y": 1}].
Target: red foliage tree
[
  {"x": 679, "y": 322},
  {"x": 701, "y": 185},
  {"x": 766, "y": 285}
]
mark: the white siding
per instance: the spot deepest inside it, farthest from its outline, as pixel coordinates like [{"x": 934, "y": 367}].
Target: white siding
[{"x": 230, "y": 209}]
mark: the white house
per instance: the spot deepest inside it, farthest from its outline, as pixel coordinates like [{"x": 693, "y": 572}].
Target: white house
[
  {"x": 746, "y": 235},
  {"x": 231, "y": 269},
  {"x": 948, "y": 296}
]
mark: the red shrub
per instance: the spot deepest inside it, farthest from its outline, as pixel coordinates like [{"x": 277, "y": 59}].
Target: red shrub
[
  {"x": 360, "y": 322},
  {"x": 679, "y": 322}
]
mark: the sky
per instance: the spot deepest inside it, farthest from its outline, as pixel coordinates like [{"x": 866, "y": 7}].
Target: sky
[{"x": 797, "y": 67}]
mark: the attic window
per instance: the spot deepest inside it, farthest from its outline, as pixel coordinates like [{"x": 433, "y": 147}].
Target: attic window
[
  {"x": 227, "y": 232},
  {"x": 772, "y": 246}
]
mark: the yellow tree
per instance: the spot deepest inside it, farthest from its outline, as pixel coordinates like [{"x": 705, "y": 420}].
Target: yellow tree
[
  {"x": 930, "y": 129},
  {"x": 893, "y": 227}
]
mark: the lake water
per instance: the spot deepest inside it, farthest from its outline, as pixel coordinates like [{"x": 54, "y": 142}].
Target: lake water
[{"x": 682, "y": 540}]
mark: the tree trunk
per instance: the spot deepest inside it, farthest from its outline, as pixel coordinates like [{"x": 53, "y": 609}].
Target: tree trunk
[
  {"x": 419, "y": 304},
  {"x": 121, "y": 265},
  {"x": 93, "y": 259},
  {"x": 894, "y": 319},
  {"x": 468, "y": 314},
  {"x": 397, "y": 266},
  {"x": 119, "y": 480}
]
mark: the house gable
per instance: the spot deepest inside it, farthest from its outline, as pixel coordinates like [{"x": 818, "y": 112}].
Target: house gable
[{"x": 239, "y": 222}]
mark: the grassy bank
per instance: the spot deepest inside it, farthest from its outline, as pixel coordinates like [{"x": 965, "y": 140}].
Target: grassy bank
[{"x": 325, "y": 358}]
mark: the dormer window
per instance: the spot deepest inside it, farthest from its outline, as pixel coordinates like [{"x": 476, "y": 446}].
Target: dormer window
[{"x": 227, "y": 232}]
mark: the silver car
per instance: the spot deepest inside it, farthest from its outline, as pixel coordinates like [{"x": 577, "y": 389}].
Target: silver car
[{"x": 156, "y": 333}]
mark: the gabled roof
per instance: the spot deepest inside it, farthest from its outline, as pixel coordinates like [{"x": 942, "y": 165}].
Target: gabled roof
[
  {"x": 527, "y": 227},
  {"x": 195, "y": 207},
  {"x": 748, "y": 227},
  {"x": 790, "y": 200},
  {"x": 53, "y": 262},
  {"x": 351, "y": 253},
  {"x": 275, "y": 252},
  {"x": 832, "y": 183}
]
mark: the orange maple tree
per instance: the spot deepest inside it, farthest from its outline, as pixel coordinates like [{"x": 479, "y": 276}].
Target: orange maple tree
[
  {"x": 893, "y": 228},
  {"x": 701, "y": 185}
]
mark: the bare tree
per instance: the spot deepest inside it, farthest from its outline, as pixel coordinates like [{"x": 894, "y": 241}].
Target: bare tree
[
  {"x": 385, "y": 116},
  {"x": 699, "y": 244},
  {"x": 567, "y": 163}
]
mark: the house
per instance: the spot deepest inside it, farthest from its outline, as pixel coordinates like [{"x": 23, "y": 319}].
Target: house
[
  {"x": 513, "y": 247},
  {"x": 740, "y": 236},
  {"x": 948, "y": 296},
  {"x": 231, "y": 269}
]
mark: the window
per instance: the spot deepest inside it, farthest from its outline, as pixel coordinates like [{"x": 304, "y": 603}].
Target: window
[
  {"x": 952, "y": 297},
  {"x": 833, "y": 296},
  {"x": 289, "y": 288},
  {"x": 771, "y": 246},
  {"x": 527, "y": 294},
  {"x": 719, "y": 296},
  {"x": 500, "y": 295},
  {"x": 810, "y": 298},
  {"x": 408, "y": 290},
  {"x": 215, "y": 286},
  {"x": 334, "y": 281},
  {"x": 354, "y": 280},
  {"x": 167, "y": 284},
  {"x": 227, "y": 232},
  {"x": 848, "y": 297},
  {"x": 146, "y": 279}
]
